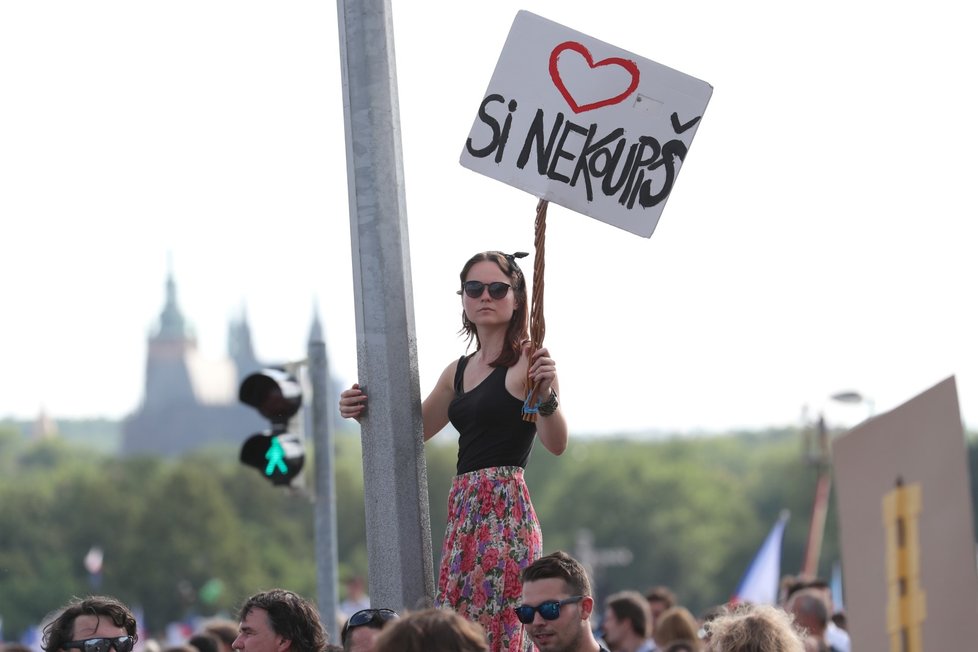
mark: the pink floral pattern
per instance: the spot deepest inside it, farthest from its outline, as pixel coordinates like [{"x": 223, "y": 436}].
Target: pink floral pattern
[{"x": 491, "y": 536}]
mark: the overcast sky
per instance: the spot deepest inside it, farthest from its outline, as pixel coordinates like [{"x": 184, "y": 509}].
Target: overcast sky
[{"x": 819, "y": 238}]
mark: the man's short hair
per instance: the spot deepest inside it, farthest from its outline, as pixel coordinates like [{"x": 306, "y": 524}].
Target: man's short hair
[
  {"x": 633, "y": 607},
  {"x": 661, "y": 594},
  {"x": 60, "y": 630},
  {"x": 559, "y": 565},
  {"x": 795, "y": 584},
  {"x": 432, "y": 629},
  {"x": 225, "y": 629},
  {"x": 810, "y": 604},
  {"x": 205, "y": 642},
  {"x": 291, "y": 616}
]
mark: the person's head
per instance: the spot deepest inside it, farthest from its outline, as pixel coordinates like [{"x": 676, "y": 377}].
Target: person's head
[
  {"x": 205, "y": 642},
  {"x": 675, "y": 624},
  {"x": 808, "y": 608},
  {"x": 360, "y": 630},
  {"x": 279, "y": 621},
  {"x": 626, "y": 619},
  {"x": 432, "y": 629},
  {"x": 754, "y": 628},
  {"x": 817, "y": 585},
  {"x": 355, "y": 589},
  {"x": 495, "y": 302},
  {"x": 557, "y": 603},
  {"x": 94, "y": 624},
  {"x": 659, "y": 598},
  {"x": 224, "y": 629}
]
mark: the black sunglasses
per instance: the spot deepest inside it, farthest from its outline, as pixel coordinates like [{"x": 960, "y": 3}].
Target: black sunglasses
[
  {"x": 367, "y": 617},
  {"x": 549, "y": 610},
  {"x": 497, "y": 289},
  {"x": 120, "y": 643}
]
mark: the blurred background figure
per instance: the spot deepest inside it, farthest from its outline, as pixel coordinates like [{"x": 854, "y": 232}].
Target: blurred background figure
[
  {"x": 224, "y": 629},
  {"x": 355, "y": 599},
  {"x": 627, "y": 623},
  {"x": 810, "y": 614},
  {"x": 659, "y": 598},
  {"x": 835, "y": 636},
  {"x": 205, "y": 642},
  {"x": 676, "y": 624}
]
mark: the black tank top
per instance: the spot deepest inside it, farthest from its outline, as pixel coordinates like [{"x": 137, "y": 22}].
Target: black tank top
[{"x": 490, "y": 423}]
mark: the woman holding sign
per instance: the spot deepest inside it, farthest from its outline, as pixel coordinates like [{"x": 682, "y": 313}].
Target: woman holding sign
[{"x": 492, "y": 532}]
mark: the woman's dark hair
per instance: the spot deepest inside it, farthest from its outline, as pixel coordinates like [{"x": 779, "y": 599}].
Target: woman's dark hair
[
  {"x": 60, "y": 630},
  {"x": 516, "y": 333}
]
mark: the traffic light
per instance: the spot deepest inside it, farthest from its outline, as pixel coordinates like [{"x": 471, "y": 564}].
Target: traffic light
[{"x": 277, "y": 453}]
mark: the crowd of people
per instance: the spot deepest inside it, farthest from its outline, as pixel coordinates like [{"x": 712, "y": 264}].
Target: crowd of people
[
  {"x": 496, "y": 590},
  {"x": 556, "y": 609}
]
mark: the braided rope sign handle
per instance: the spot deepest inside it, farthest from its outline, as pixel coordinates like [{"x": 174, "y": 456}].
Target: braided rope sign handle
[{"x": 538, "y": 325}]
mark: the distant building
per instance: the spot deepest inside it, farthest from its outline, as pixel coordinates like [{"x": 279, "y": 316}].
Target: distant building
[{"x": 191, "y": 402}]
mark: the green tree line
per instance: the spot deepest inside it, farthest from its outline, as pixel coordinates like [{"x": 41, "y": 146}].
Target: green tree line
[{"x": 197, "y": 535}]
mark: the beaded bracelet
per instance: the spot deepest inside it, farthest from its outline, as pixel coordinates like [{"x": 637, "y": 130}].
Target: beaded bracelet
[{"x": 548, "y": 408}]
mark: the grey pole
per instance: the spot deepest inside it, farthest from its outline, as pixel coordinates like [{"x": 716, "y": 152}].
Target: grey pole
[
  {"x": 395, "y": 481},
  {"x": 325, "y": 487}
]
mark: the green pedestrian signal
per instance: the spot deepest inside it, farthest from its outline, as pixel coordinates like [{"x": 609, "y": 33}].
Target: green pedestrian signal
[
  {"x": 275, "y": 457},
  {"x": 277, "y": 453}
]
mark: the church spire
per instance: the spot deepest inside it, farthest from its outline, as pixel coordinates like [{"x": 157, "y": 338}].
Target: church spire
[
  {"x": 316, "y": 330},
  {"x": 240, "y": 348},
  {"x": 173, "y": 326}
]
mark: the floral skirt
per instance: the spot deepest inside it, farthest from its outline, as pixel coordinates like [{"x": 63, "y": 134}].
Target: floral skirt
[{"x": 491, "y": 536}]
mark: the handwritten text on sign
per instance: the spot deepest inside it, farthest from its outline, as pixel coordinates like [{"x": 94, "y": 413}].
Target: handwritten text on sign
[{"x": 585, "y": 125}]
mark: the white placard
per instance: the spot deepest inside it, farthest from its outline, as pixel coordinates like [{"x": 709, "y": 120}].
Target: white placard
[{"x": 585, "y": 124}]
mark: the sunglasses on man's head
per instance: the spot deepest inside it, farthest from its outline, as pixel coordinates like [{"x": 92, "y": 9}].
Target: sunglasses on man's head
[
  {"x": 367, "y": 617},
  {"x": 120, "y": 643},
  {"x": 497, "y": 289},
  {"x": 549, "y": 610}
]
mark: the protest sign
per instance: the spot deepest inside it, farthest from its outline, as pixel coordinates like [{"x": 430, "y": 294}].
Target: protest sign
[
  {"x": 584, "y": 124},
  {"x": 905, "y": 513}
]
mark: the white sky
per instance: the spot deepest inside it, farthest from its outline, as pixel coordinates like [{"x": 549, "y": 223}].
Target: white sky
[{"x": 817, "y": 239}]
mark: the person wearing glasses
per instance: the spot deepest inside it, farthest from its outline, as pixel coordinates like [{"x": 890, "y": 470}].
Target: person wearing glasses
[
  {"x": 362, "y": 629},
  {"x": 492, "y": 532},
  {"x": 94, "y": 624},
  {"x": 279, "y": 621},
  {"x": 557, "y": 605}
]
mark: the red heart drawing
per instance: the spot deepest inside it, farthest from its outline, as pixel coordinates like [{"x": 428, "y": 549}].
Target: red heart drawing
[{"x": 583, "y": 51}]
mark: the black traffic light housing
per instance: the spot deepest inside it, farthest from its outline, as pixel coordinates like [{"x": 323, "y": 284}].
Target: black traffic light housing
[{"x": 277, "y": 453}]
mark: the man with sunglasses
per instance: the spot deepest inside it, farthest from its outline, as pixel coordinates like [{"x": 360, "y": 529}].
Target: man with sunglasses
[
  {"x": 557, "y": 605},
  {"x": 362, "y": 629},
  {"x": 93, "y": 624},
  {"x": 279, "y": 621}
]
